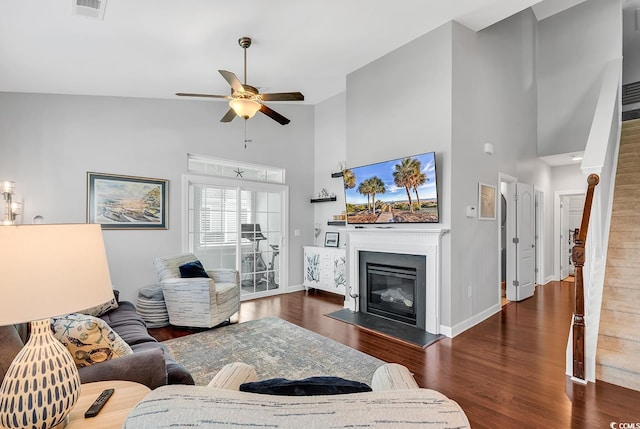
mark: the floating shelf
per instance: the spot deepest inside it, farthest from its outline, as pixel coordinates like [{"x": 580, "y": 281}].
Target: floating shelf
[
  {"x": 322, "y": 200},
  {"x": 338, "y": 174},
  {"x": 336, "y": 223}
]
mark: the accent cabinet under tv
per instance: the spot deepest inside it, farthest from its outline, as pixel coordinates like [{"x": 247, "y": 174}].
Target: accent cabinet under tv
[{"x": 325, "y": 269}]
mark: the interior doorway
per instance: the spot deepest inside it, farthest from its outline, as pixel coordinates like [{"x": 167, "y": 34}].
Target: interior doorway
[
  {"x": 519, "y": 238},
  {"x": 570, "y": 210}
]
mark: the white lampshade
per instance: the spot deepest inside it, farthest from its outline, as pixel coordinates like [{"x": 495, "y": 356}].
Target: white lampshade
[
  {"x": 49, "y": 270},
  {"x": 244, "y": 107},
  {"x": 7, "y": 186},
  {"x": 46, "y": 270}
]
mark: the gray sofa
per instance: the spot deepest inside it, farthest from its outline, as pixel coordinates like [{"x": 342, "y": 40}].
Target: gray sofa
[{"x": 150, "y": 364}]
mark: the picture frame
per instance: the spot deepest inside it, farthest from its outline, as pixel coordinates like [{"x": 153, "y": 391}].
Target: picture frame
[
  {"x": 331, "y": 239},
  {"x": 127, "y": 202},
  {"x": 486, "y": 201}
]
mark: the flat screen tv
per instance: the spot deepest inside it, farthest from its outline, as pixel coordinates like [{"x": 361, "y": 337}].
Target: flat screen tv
[{"x": 402, "y": 190}]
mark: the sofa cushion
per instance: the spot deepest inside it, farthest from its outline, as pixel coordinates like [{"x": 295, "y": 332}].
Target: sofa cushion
[
  {"x": 99, "y": 310},
  {"x": 305, "y": 387},
  {"x": 89, "y": 339},
  {"x": 192, "y": 269},
  {"x": 11, "y": 346}
]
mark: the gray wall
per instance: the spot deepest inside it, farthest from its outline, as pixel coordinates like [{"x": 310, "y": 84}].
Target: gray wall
[
  {"x": 400, "y": 105},
  {"x": 49, "y": 142},
  {"x": 330, "y": 151},
  {"x": 494, "y": 101},
  {"x": 573, "y": 47}
]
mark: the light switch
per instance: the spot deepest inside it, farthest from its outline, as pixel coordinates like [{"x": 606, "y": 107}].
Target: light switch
[{"x": 296, "y": 233}]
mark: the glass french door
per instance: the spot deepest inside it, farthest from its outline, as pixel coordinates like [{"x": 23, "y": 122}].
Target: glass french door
[{"x": 238, "y": 224}]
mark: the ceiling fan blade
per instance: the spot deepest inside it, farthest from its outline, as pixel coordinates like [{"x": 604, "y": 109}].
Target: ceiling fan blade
[
  {"x": 233, "y": 80},
  {"x": 188, "y": 94},
  {"x": 228, "y": 117},
  {"x": 282, "y": 96},
  {"x": 274, "y": 115}
]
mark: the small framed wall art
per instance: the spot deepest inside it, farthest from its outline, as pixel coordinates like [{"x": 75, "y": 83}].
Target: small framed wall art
[
  {"x": 127, "y": 202},
  {"x": 486, "y": 202},
  {"x": 331, "y": 239}
]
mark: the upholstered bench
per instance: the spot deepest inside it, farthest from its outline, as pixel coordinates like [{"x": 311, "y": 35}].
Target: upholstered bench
[{"x": 395, "y": 402}]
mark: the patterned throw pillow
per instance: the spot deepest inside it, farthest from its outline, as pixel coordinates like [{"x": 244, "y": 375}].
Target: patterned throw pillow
[{"x": 89, "y": 339}]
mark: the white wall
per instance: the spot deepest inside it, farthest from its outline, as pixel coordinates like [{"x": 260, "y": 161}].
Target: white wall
[
  {"x": 330, "y": 150},
  {"x": 574, "y": 46},
  {"x": 49, "y": 142}
]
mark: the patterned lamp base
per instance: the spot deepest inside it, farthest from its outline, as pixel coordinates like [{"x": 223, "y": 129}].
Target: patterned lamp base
[{"x": 42, "y": 384}]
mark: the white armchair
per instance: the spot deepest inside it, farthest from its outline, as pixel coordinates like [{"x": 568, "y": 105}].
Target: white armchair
[{"x": 197, "y": 302}]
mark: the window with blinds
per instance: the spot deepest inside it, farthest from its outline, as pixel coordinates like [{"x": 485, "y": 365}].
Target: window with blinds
[{"x": 218, "y": 212}]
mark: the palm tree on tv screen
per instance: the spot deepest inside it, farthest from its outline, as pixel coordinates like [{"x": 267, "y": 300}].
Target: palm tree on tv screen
[
  {"x": 404, "y": 175},
  {"x": 419, "y": 178},
  {"x": 364, "y": 189},
  {"x": 349, "y": 178},
  {"x": 376, "y": 186}
]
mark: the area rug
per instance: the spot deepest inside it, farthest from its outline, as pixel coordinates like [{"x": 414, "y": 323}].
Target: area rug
[{"x": 275, "y": 347}]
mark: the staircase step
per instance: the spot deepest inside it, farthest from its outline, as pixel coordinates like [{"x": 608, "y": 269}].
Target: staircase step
[
  {"x": 624, "y": 223},
  {"x": 615, "y": 330},
  {"x": 623, "y": 256},
  {"x": 620, "y": 318},
  {"x": 624, "y": 239},
  {"x": 632, "y": 295},
  {"x": 627, "y": 277},
  {"x": 622, "y": 305},
  {"x": 628, "y": 178},
  {"x": 628, "y": 379}
]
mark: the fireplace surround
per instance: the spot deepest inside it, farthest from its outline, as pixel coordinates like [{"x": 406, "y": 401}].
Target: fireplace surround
[{"x": 424, "y": 243}]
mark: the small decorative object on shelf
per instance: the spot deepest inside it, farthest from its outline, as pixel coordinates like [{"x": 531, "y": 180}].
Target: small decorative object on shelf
[
  {"x": 337, "y": 174},
  {"x": 323, "y": 196}
]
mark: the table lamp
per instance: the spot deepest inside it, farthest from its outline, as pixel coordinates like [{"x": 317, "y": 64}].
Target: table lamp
[{"x": 46, "y": 271}]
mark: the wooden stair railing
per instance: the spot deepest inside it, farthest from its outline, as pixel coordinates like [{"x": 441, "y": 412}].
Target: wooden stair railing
[{"x": 577, "y": 255}]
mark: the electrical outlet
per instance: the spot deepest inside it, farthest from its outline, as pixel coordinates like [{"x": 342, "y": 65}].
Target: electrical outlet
[{"x": 469, "y": 291}]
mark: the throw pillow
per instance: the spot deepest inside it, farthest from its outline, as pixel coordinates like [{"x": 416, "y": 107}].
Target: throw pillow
[
  {"x": 89, "y": 339},
  {"x": 101, "y": 309},
  {"x": 306, "y": 387},
  {"x": 192, "y": 269}
]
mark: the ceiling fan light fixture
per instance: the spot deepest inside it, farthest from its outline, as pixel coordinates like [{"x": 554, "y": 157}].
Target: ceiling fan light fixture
[{"x": 244, "y": 107}]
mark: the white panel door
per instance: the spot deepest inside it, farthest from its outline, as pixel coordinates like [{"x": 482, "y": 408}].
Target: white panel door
[
  {"x": 565, "y": 239},
  {"x": 521, "y": 284},
  {"x": 525, "y": 246}
]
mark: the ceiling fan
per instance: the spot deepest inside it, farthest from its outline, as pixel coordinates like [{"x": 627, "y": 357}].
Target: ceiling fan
[{"x": 246, "y": 100}]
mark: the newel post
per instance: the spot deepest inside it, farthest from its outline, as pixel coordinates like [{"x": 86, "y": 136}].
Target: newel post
[{"x": 578, "y": 258}]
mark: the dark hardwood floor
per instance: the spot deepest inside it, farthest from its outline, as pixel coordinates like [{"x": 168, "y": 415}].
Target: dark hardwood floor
[{"x": 506, "y": 372}]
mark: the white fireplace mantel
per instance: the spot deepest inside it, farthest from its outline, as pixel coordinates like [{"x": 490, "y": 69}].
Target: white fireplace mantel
[{"x": 395, "y": 240}]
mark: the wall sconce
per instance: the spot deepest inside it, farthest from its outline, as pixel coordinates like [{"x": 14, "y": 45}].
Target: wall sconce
[{"x": 13, "y": 208}]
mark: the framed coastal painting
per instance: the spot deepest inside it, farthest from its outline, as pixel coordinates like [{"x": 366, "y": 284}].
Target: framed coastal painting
[
  {"x": 127, "y": 202},
  {"x": 486, "y": 202}
]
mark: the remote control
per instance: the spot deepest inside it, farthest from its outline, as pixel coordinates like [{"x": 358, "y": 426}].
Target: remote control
[{"x": 97, "y": 405}]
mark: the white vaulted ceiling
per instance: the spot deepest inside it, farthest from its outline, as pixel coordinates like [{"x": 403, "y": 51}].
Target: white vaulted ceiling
[{"x": 154, "y": 48}]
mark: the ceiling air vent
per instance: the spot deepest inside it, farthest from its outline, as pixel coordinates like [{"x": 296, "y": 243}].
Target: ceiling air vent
[
  {"x": 89, "y": 8},
  {"x": 631, "y": 93}
]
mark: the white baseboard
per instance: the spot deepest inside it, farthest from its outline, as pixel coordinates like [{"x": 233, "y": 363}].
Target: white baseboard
[
  {"x": 470, "y": 322},
  {"x": 294, "y": 288},
  {"x": 549, "y": 279}
]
